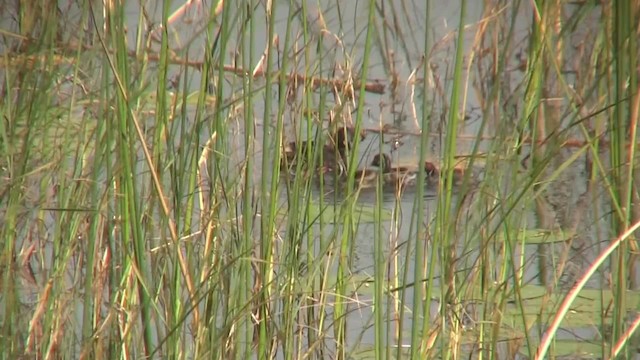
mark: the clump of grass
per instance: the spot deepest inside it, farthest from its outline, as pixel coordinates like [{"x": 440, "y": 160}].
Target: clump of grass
[{"x": 145, "y": 212}]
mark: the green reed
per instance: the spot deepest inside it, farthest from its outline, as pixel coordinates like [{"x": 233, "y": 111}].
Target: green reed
[
  {"x": 145, "y": 215},
  {"x": 623, "y": 148}
]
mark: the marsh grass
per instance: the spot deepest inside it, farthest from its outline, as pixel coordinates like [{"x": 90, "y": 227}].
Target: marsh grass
[{"x": 145, "y": 214}]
